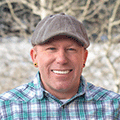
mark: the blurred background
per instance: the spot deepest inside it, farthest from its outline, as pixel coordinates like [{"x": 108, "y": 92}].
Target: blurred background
[{"x": 101, "y": 19}]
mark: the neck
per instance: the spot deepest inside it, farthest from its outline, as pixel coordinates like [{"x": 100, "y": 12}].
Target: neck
[{"x": 64, "y": 94}]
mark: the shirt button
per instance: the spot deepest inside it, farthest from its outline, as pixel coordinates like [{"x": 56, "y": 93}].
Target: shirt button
[
  {"x": 63, "y": 106},
  {"x": 46, "y": 94},
  {"x": 62, "y": 13}
]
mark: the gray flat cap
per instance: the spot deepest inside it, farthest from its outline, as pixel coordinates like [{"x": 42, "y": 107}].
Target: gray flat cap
[{"x": 59, "y": 24}]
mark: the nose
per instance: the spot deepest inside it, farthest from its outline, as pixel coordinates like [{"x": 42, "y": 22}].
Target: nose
[{"x": 61, "y": 57}]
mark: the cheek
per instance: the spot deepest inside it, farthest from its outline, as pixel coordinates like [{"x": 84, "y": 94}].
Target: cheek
[
  {"x": 44, "y": 62},
  {"x": 78, "y": 60},
  {"x": 78, "y": 64}
]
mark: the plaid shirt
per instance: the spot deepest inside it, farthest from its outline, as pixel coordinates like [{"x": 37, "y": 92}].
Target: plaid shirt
[{"x": 32, "y": 102}]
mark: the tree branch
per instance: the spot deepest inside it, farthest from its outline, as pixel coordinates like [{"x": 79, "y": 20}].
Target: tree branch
[
  {"x": 14, "y": 16},
  {"x": 66, "y": 4},
  {"x": 111, "y": 23},
  {"x": 86, "y": 8},
  {"x": 115, "y": 11}
]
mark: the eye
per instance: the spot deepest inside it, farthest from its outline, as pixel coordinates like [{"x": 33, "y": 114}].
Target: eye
[
  {"x": 51, "y": 48},
  {"x": 71, "y": 49}
]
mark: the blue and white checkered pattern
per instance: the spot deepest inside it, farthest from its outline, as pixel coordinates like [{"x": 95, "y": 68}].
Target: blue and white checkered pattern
[{"x": 32, "y": 102}]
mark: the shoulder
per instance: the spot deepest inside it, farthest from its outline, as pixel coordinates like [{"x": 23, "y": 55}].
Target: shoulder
[
  {"x": 15, "y": 98},
  {"x": 22, "y": 93},
  {"x": 99, "y": 93}
]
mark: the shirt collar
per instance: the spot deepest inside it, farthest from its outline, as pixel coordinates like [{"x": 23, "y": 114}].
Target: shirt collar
[{"x": 38, "y": 86}]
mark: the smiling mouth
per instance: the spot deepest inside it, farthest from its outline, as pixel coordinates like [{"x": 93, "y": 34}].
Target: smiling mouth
[{"x": 61, "y": 71}]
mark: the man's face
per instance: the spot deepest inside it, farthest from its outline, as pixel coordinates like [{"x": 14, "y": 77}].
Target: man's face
[{"x": 60, "y": 62}]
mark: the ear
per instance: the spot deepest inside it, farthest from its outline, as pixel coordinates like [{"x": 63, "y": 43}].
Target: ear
[
  {"x": 33, "y": 54},
  {"x": 85, "y": 56}
]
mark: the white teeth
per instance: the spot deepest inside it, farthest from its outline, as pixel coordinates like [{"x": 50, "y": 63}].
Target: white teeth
[{"x": 61, "y": 72}]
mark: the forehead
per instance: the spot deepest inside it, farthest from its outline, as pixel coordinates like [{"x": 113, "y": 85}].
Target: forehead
[{"x": 59, "y": 38}]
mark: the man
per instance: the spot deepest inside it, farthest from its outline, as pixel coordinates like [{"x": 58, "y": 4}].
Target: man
[{"x": 59, "y": 91}]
